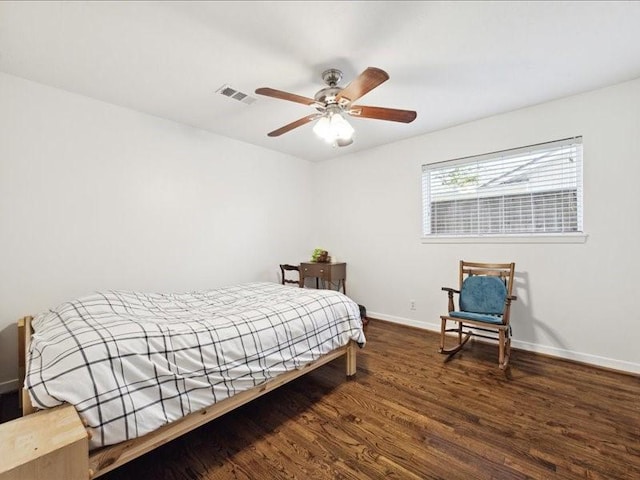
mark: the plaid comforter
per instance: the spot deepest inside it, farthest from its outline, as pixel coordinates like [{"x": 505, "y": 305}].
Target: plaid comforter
[{"x": 131, "y": 362}]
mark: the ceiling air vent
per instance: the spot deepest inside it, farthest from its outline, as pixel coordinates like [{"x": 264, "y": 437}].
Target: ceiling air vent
[{"x": 231, "y": 92}]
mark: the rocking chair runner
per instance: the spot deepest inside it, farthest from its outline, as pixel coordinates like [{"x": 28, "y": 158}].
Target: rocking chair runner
[{"x": 484, "y": 307}]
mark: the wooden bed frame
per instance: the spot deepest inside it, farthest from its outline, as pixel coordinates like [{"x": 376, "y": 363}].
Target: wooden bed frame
[{"x": 105, "y": 459}]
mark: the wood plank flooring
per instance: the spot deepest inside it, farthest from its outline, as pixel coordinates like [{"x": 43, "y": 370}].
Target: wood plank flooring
[{"x": 408, "y": 415}]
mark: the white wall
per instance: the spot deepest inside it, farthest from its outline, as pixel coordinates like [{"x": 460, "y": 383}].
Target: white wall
[
  {"x": 574, "y": 300},
  {"x": 94, "y": 196}
]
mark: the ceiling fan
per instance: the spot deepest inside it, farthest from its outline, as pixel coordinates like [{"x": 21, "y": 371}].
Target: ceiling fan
[{"x": 333, "y": 102}]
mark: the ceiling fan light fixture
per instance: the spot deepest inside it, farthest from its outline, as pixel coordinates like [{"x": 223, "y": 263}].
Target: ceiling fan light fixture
[
  {"x": 332, "y": 127},
  {"x": 322, "y": 128},
  {"x": 341, "y": 128}
]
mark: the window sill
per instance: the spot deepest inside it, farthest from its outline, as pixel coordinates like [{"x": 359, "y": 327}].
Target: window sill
[{"x": 542, "y": 238}]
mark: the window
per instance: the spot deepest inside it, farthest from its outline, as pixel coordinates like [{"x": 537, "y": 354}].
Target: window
[{"x": 529, "y": 191}]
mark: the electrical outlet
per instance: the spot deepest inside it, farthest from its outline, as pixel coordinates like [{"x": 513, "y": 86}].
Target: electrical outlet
[{"x": 412, "y": 304}]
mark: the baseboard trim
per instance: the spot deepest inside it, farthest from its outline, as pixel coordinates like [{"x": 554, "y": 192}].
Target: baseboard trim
[
  {"x": 9, "y": 386},
  {"x": 579, "y": 357},
  {"x": 407, "y": 322}
]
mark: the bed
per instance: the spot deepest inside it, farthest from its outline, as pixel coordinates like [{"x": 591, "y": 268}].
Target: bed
[{"x": 141, "y": 369}]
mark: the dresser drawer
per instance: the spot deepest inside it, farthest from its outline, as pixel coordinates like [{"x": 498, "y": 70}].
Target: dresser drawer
[{"x": 319, "y": 270}]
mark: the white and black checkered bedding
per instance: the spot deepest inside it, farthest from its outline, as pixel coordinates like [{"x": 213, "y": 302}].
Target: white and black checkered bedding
[{"x": 132, "y": 362}]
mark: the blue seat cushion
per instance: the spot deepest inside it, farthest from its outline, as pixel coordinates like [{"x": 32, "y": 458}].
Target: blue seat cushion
[
  {"x": 483, "y": 294},
  {"x": 479, "y": 317}
]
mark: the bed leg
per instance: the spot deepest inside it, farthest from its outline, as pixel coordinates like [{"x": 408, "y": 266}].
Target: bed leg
[
  {"x": 351, "y": 359},
  {"x": 51, "y": 444}
]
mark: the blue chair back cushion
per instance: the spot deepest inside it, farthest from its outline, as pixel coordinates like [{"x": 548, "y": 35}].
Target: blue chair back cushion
[{"x": 483, "y": 294}]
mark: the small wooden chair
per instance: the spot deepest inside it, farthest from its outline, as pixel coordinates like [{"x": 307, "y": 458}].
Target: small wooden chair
[
  {"x": 484, "y": 307},
  {"x": 284, "y": 268}
]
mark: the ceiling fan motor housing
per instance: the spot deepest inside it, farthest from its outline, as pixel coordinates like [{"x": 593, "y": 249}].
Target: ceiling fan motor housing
[{"x": 327, "y": 95}]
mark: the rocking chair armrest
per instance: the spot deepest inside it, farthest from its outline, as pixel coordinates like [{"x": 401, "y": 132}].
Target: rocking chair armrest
[
  {"x": 450, "y": 292},
  {"x": 507, "y": 308}
]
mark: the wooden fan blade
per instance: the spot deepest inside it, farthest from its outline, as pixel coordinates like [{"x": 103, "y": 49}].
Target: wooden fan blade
[
  {"x": 366, "y": 81},
  {"x": 296, "y": 124},
  {"x": 380, "y": 113},
  {"x": 271, "y": 92}
]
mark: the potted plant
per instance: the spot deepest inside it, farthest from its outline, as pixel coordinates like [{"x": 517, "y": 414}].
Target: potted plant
[{"x": 320, "y": 255}]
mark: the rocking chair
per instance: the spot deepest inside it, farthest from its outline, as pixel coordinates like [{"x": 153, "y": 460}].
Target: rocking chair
[{"x": 484, "y": 306}]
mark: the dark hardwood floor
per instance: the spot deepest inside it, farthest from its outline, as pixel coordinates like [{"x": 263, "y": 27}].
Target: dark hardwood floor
[{"x": 410, "y": 416}]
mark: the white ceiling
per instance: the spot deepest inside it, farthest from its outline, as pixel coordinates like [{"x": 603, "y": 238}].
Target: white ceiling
[{"x": 452, "y": 62}]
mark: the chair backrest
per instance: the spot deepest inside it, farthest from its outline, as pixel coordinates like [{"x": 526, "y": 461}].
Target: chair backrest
[
  {"x": 484, "y": 287},
  {"x": 285, "y": 268}
]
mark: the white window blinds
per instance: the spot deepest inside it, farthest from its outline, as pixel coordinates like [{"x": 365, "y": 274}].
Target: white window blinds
[{"x": 529, "y": 190}]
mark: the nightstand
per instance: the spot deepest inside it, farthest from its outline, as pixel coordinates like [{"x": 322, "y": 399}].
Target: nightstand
[{"x": 327, "y": 272}]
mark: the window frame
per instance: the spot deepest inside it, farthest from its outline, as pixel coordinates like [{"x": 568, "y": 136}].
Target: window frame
[{"x": 579, "y": 236}]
